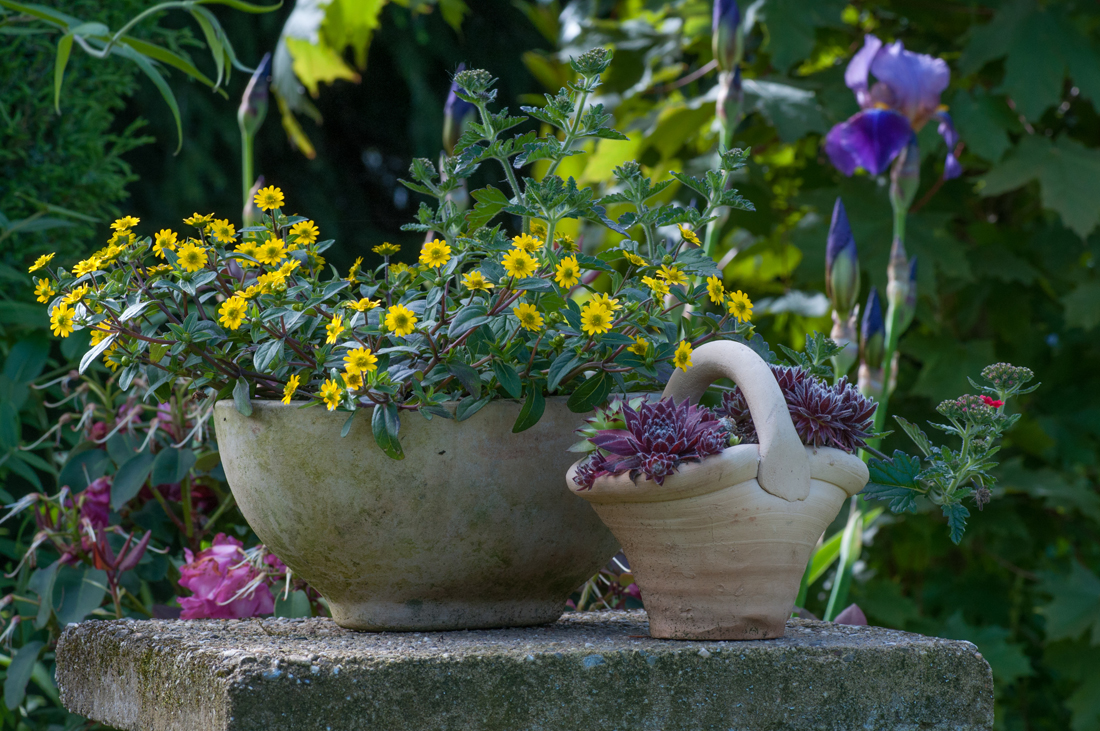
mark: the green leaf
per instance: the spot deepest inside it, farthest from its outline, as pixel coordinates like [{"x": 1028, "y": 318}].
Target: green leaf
[
  {"x": 97, "y": 351},
  {"x": 532, "y": 409},
  {"x": 956, "y": 514},
  {"x": 1083, "y": 306},
  {"x": 386, "y": 424},
  {"x": 243, "y": 6},
  {"x": 82, "y": 468},
  {"x": 169, "y": 57},
  {"x": 562, "y": 366},
  {"x": 469, "y": 406},
  {"x": 347, "y": 424},
  {"x": 792, "y": 27},
  {"x": 82, "y": 592},
  {"x": 171, "y": 465},
  {"x": 894, "y": 480},
  {"x": 490, "y": 202},
  {"x": 919, "y": 437},
  {"x": 41, "y": 583},
  {"x": 64, "y": 48},
  {"x": 213, "y": 38},
  {"x": 1067, "y": 171},
  {"x": 467, "y": 319},
  {"x": 507, "y": 377},
  {"x": 240, "y": 397},
  {"x": 1075, "y": 604},
  {"x": 19, "y": 673},
  {"x": 130, "y": 478},
  {"x": 296, "y": 605},
  {"x": 467, "y": 376},
  {"x": 591, "y": 393},
  {"x": 158, "y": 81}
]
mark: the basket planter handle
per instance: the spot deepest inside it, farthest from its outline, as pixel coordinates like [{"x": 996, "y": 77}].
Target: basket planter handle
[{"x": 784, "y": 468}]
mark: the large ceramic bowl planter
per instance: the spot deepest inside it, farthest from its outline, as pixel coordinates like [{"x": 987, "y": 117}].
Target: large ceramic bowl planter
[
  {"x": 471, "y": 529},
  {"x": 719, "y": 549}
]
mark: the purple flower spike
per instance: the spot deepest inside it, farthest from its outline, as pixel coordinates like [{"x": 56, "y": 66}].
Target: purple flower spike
[
  {"x": 871, "y": 140},
  {"x": 872, "y": 331},
  {"x": 951, "y": 167}
]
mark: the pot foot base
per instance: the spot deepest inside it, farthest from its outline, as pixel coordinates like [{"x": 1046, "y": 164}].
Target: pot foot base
[
  {"x": 715, "y": 628},
  {"x": 430, "y": 615}
]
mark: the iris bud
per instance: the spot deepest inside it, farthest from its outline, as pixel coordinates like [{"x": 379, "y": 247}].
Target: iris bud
[
  {"x": 905, "y": 177},
  {"x": 727, "y": 36},
  {"x": 873, "y": 333},
  {"x": 456, "y": 113},
  {"x": 841, "y": 263},
  {"x": 253, "y": 108},
  {"x": 730, "y": 104}
]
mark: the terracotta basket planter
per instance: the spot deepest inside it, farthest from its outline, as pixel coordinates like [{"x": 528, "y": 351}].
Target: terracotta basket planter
[
  {"x": 719, "y": 550},
  {"x": 470, "y": 530}
]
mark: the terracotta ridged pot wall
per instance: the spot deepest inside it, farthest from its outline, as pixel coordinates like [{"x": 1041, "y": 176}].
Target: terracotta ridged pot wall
[
  {"x": 470, "y": 530},
  {"x": 719, "y": 549}
]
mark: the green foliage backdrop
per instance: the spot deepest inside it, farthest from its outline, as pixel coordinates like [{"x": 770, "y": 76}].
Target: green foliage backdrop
[{"x": 1007, "y": 252}]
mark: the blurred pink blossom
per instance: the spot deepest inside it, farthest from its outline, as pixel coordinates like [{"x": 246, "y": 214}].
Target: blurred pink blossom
[
  {"x": 95, "y": 502},
  {"x": 215, "y": 576}
]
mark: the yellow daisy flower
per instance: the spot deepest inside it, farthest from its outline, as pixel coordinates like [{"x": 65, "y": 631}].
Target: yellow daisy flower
[
  {"x": 740, "y": 306},
  {"x": 672, "y": 275},
  {"x": 331, "y": 393},
  {"x": 528, "y": 243},
  {"x": 91, "y": 264},
  {"x": 474, "y": 281},
  {"x": 199, "y": 220},
  {"x": 268, "y": 198},
  {"x": 305, "y": 233},
  {"x": 125, "y": 223},
  {"x": 232, "y": 312},
  {"x": 288, "y": 267},
  {"x": 353, "y": 380},
  {"x": 223, "y": 230},
  {"x": 248, "y": 248},
  {"x": 386, "y": 249},
  {"x": 518, "y": 263},
  {"x": 354, "y": 271},
  {"x": 595, "y": 318},
  {"x": 634, "y": 259},
  {"x": 191, "y": 257},
  {"x": 166, "y": 238},
  {"x": 400, "y": 320},
  {"x": 75, "y": 294},
  {"x": 716, "y": 290},
  {"x": 41, "y": 262},
  {"x": 688, "y": 234},
  {"x": 291, "y": 386},
  {"x": 538, "y": 228},
  {"x": 435, "y": 253},
  {"x": 396, "y": 269},
  {"x": 604, "y": 299},
  {"x": 271, "y": 252},
  {"x": 566, "y": 243},
  {"x": 99, "y": 333},
  {"x": 640, "y": 347},
  {"x": 334, "y": 328},
  {"x": 43, "y": 290},
  {"x": 61, "y": 321},
  {"x": 360, "y": 360},
  {"x": 682, "y": 358},
  {"x": 528, "y": 316},
  {"x": 569, "y": 272},
  {"x": 659, "y": 287},
  {"x": 364, "y": 304}
]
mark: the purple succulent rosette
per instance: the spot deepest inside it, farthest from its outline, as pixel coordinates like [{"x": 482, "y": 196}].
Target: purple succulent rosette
[
  {"x": 836, "y": 416},
  {"x": 658, "y": 438},
  {"x": 905, "y": 96}
]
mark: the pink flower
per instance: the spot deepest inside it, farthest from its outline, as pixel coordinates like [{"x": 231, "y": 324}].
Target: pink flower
[
  {"x": 992, "y": 402},
  {"x": 95, "y": 503},
  {"x": 215, "y": 576}
]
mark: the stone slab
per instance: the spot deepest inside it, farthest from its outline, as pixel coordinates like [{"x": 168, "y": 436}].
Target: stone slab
[{"x": 591, "y": 670}]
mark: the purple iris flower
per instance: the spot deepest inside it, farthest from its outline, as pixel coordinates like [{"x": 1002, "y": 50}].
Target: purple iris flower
[{"x": 905, "y": 96}]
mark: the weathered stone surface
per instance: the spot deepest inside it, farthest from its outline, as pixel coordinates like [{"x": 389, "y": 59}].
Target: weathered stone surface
[{"x": 588, "y": 670}]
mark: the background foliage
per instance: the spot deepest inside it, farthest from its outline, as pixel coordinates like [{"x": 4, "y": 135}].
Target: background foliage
[{"x": 1008, "y": 251}]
